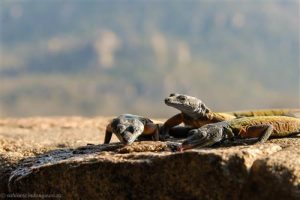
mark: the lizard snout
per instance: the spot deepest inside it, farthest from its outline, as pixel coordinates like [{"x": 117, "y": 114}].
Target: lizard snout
[
  {"x": 167, "y": 100},
  {"x": 127, "y": 138}
]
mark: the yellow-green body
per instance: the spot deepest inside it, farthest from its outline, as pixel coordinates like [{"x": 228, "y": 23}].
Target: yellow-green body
[
  {"x": 282, "y": 126},
  {"x": 214, "y": 117}
]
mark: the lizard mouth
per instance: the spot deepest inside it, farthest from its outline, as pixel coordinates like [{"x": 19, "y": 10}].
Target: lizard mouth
[
  {"x": 190, "y": 143},
  {"x": 168, "y": 101},
  {"x": 127, "y": 138},
  {"x": 173, "y": 102},
  {"x": 172, "y": 99}
]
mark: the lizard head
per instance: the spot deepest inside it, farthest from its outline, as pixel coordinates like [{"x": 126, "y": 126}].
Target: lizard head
[
  {"x": 127, "y": 130},
  {"x": 203, "y": 137},
  {"x": 189, "y": 105}
]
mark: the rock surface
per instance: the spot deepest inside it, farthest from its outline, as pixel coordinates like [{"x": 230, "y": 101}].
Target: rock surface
[{"x": 50, "y": 156}]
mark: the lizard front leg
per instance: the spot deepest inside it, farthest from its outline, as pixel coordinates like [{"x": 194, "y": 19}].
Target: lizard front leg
[
  {"x": 108, "y": 134},
  {"x": 173, "y": 121}
]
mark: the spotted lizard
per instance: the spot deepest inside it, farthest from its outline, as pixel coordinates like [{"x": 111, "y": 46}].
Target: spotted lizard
[
  {"x": 128, "y": 128},
  {"x": 194, "y": 113},
  {"x": 260, "y": 128}
]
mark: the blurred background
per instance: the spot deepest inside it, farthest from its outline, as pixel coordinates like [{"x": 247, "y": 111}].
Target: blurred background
[{"x": 109, "y": 57}]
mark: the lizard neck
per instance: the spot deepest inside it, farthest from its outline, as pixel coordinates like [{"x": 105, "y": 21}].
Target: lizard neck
[
  {"x": 199, "y": 112},
  {"x": 215, "y": 117}
]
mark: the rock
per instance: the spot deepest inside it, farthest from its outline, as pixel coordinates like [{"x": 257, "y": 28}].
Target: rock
[
  {"x": 144, "y": 170},
  {"x": 275, "y": 177},
  {"x": 93, "y": 172}
]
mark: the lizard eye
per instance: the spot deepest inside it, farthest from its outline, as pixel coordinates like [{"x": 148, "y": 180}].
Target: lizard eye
[
  {"x": 130, "y": 129},
  {"x": 182, "y": 98},
  {"x": 192, "y": 132},
  {"x": 173, "y": 94}
]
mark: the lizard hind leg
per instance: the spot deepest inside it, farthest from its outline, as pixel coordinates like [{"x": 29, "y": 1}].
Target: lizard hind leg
[{"x": 263, "y": 132}]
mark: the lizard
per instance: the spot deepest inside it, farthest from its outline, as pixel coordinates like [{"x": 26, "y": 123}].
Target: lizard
[
  {"x": 260, "y": 128},
  {"x": 194, "y": 113},
  {"x": 128, "y": 128}
]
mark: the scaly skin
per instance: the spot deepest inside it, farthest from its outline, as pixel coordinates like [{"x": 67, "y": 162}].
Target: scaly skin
[
  {"x": 129, "y": 127},
  {"x": 195, "y": 113},
  {"x": 261, "y": 127}
]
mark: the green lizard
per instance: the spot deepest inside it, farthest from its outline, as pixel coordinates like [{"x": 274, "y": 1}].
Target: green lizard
[
  {"x": 261, "y": 127},
  {"x": 194, "y": 113}
]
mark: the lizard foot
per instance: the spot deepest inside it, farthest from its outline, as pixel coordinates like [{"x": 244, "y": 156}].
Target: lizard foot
[{"x": 174, "y": 147}]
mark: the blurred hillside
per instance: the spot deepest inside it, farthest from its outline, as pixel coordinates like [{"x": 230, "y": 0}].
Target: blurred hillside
[{"x": 111, "y": 57}]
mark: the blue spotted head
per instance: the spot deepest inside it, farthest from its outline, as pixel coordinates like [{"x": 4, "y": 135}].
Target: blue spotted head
[{"x": 127, "y": 130}]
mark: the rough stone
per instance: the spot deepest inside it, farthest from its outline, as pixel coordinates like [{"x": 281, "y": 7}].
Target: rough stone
[
  {"x": 53, "y": 156},
  {"x": 275, "y": 177}
]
